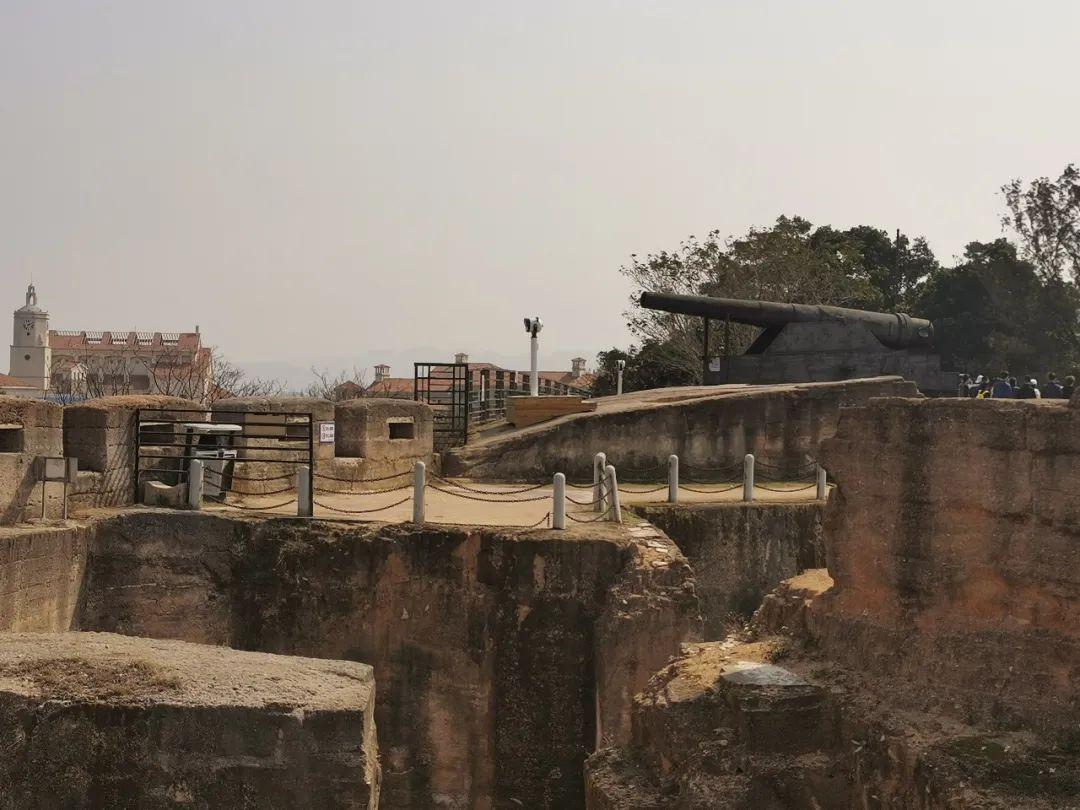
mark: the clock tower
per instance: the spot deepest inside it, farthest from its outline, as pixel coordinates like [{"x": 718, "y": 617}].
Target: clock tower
[{"x": 31, "y": 356}]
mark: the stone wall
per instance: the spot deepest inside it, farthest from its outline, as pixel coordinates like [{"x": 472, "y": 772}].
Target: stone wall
[
  {"x": 952, "y": 541},
  {"x": 29, "y": 429},
  {"x": 501, "y": 657},
  {"x": 782, "y": 425},
  {"x": 41, "y": 573},
  {"x": 740, "y": 551}
]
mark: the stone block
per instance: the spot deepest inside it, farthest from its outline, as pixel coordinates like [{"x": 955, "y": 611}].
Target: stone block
[{"x": 112, "y": 721}]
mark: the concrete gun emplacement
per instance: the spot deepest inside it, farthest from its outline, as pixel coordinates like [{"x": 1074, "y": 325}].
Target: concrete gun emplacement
[{"x": 894, "y": 330}]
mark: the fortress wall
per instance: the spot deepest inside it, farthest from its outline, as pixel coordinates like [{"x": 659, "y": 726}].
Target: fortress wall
[
  {"x": 501, "y": 657},
  {"x": 782, "y": 425},
  {"x": 952, "y": 540}
]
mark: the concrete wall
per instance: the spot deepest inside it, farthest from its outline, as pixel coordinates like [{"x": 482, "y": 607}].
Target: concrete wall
[
  {"x": 95, "y": 720},
  {"x": 29, "y": 428},
  {"x": 366, "y": 429},
  {"x": 500, "y": 657},
  {"x": 782, "y": 425},
  {"x": 740, "y": 551}
]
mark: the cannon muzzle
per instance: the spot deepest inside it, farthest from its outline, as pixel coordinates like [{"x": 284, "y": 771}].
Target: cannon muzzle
[{"x": 893, "y": 329}]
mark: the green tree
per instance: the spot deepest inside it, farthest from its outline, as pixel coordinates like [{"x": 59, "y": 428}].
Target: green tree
[
  {"x": 790, "y": 261},
  {"x": 1045, "y": 215},
  {"x": 996, "y": 310}
]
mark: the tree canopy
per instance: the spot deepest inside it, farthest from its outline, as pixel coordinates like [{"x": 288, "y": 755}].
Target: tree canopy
[{"x": 1003, "y": 303}]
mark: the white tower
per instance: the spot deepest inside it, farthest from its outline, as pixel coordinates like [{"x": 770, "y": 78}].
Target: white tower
[{"x": 31, "y": 357}]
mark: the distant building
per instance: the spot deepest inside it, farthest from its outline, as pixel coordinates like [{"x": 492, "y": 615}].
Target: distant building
[
  {"x": 81, "y": 364},
  {"x": 486, "y": 376}
]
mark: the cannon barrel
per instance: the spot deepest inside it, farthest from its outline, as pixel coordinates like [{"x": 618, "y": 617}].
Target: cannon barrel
[{"x": 893, "y": 329}]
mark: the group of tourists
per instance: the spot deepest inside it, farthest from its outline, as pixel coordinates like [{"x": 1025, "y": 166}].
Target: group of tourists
[{"x": 1004, "y": 386}]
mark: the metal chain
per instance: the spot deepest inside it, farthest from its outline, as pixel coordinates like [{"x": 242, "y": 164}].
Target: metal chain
[
  {"x": 486, "y": 491},
  {"x": 362, "y": 511},
  {"x": 711, "y": 491},
  {"x": 487, "y": 500},
  {"x": 252, "y": 508},
  {"x": 596, "y": 519},
  {"x": 542, "y": 521},
  {"x": 363, "y": 480},
  {"x": 773, "y": 489},
  {"x": 322, "y": 491},
  {"x": 643, "y": 491}
]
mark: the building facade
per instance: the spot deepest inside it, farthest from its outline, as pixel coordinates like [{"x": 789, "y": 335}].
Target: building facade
[{"x": 74, "y": 365}]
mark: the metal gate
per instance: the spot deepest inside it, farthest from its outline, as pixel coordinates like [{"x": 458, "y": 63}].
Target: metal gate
[{"x": 447, "y": 388}]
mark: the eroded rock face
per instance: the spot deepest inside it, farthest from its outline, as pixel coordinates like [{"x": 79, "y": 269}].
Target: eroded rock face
[
  {"x": 740, "y": 551},
  {"x": 952, "y": 541},
  {"x": 501, "y": 658}
]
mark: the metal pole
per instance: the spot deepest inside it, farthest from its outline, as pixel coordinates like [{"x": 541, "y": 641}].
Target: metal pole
[
  {"x": 705, "y": 353},
  {"x": 558, "y": 508},
  {"x": 304, "y": 496},
  {"x": 195, "y": 484},
  {"x": 822, "y": 483},
  {"x": 673, "y": 478},
  {"x": 534, "y": 361},
  {"x": 138, "y": 452},
  {"x": 748, "y": 477},
  {"x": 419, "y": 481},
  {"x": 613, "y": 486},
  {"x": 598, "y": 465},
  {"x": 309, "y": 501}
]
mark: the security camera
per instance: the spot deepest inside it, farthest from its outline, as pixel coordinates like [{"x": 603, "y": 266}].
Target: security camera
[
  {"x": 621, "y": 364},
  {"x": 533, "y": 325}
]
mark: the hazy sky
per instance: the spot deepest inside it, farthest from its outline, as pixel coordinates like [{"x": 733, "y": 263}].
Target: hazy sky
[{"x": 327, "y": 179}]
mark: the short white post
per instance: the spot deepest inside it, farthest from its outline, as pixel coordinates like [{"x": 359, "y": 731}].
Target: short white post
[
  {"x": 558, "y": 506},
  {"x": 598, "y": 465},
  {"x": 613, "y": 494},
  {"x": 673, "y": 478},
  {"x": 419, "y": 485},
  {"x": 194, "y": 484},
  {"x": 303, "y": 491},
  {"x": 748, "y": 477},
  {"x": 822, "y": 483},
  {"x": 618, "y": 382}
]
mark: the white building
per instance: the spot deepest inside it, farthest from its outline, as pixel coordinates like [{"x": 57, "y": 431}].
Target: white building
[{"x": 81, "y": 364}]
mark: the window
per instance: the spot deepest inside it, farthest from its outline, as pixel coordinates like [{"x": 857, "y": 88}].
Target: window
[
  {"x": 11, "y": 438},
  {"x": 401, "y": 430}
]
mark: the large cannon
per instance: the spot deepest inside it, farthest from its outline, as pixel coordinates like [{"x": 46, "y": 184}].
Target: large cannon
[
  {"x": 895, "y": 330},
  {"x": 805, "y": 343}
]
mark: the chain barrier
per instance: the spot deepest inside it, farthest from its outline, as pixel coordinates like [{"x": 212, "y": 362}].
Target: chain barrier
[
  {"x": 363, "y": 480},
  {"x": 323, "y": 491},
  {"x": 531, "y": 488},
  {"x": 774, "y": 489},
  {"x": 259, "y": 508},
  {"x": 361, "y": 511},
  {"x": 487, "y": 500},
  {"x": 597, "y": 519},
  {"x": 711, "y": 491},
  {"x": 643, "y": 491},
  {"x": 544, "y": 521}
]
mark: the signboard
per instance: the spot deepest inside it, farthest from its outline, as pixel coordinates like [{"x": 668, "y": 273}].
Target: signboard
[{"x": 326, "y": 432}]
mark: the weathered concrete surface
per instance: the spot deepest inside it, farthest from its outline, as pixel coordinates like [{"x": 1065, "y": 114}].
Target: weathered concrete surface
[
  {"x": 707, "y": 427},
  {"x": 97, "y": 720},
  {"x": 501, "y": 657},
  {"x": 29, "y": 428},
  {"x": 41, "y": 571},
  {"x": 366, "y": 429},
  {"x": 240, "y": 410},
  {"x": 101, "y": 434},
  {"x": 952, "y": 541},
  {"x": 740, "y": 551}
]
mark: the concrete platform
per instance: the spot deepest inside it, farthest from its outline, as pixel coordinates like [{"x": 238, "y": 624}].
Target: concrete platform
[{"x": 115, "y": 721}]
